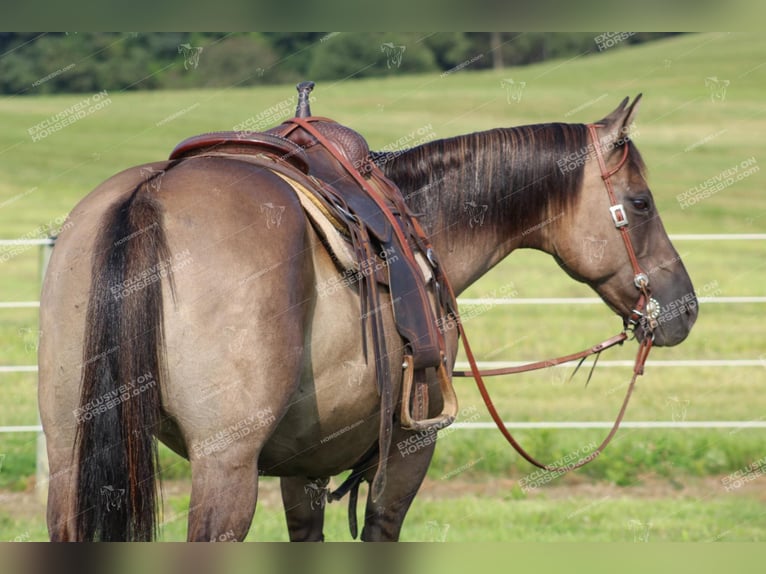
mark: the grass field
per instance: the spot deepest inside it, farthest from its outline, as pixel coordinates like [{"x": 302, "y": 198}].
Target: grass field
[{"x": 687, "y": 133}]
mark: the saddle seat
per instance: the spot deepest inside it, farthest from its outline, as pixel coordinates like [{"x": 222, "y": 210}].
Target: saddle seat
[{"x": 242, "y": 142}]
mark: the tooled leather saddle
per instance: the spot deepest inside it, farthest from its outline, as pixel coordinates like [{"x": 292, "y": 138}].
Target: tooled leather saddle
[{"x": 330, "y": 164}]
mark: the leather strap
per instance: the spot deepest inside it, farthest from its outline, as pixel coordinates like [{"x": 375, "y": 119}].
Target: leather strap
[
  {"x": 594, "y": 350},
  {"x": 638, "y": 369},
  {"x": 606, "y": 176}
]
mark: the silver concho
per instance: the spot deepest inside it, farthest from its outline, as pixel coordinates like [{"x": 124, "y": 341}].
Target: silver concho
[
  {"x": 652, "y": 309},
  {"x": 641, "y": 281}
]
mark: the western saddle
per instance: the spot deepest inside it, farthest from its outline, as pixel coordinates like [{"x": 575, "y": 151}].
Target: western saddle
[{"x": 330, "y": 168}]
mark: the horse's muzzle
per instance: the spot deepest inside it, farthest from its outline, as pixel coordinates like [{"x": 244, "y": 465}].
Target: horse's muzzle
[{"x": 673, "y": 323}]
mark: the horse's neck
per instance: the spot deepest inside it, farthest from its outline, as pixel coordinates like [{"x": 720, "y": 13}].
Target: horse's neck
[
  {"x": 466, "y": 245},
  {"x": 454, "y": 201},
  {"x": 483, "y": 195}
]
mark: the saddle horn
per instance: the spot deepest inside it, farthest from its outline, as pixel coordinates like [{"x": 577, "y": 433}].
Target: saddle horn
[{"x": 304, "y": 89}]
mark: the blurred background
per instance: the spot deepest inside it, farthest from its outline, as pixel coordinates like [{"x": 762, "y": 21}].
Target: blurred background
[
  {"x": 689, "y": 464},
  {"x": 117, "y": 61}
]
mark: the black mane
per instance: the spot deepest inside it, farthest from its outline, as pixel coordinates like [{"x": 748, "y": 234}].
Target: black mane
[{"x": 521, "y": 174}]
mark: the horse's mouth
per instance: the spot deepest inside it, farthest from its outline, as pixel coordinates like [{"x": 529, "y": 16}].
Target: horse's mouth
[
  {"x": 665, "y": 334},
  {"x": 641, "y": 331}
]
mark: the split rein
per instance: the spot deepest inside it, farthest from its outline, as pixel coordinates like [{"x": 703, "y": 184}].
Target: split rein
[
  {"x": 638, "y": 369},
  {"x": 645, "y": 312}
]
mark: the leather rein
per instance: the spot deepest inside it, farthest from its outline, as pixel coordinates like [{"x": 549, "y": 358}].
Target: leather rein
[{"x": 645, "y": 312}]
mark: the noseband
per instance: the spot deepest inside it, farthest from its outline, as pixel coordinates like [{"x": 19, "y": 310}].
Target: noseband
[{"x": 644, "y": 313}]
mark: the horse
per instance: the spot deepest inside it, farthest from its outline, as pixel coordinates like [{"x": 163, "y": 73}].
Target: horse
[{"x": 187, "y": 301}]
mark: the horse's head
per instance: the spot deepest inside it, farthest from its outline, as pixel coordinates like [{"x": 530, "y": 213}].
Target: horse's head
[{"x": 592, "y": 249}]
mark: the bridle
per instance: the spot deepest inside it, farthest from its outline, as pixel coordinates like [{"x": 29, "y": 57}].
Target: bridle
[
  {"x": 644, "y": 313},
  {"x": 620, "y": 218}
]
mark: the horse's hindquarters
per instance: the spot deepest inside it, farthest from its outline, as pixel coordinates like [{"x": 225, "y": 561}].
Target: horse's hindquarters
[
  {"x": 243, "y": 290},
  {"x": 234, "y": 330}
]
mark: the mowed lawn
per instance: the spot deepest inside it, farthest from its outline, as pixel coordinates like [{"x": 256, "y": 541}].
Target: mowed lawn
[{"x": 702, "y": 114}]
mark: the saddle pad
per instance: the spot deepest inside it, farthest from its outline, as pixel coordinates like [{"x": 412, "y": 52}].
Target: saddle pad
[
  {"x": 332, "y": 232},
  {"x": 326, "y": 225}
]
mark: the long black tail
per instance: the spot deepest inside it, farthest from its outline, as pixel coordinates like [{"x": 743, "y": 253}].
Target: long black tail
[{"x": 123, "y": 367}]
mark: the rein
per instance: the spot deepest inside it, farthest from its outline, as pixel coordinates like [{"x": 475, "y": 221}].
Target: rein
[{"x": 646, "y": 309}]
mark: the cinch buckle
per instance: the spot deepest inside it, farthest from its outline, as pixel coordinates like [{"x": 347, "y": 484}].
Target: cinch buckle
[{"x": 619, "y": 216}]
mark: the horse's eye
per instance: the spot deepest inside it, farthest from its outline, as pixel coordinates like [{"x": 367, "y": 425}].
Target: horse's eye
[{"x": 641, "y": 203}]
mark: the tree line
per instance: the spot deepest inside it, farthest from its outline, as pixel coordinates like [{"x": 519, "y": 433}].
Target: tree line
[{"x": 44, "y": 63}]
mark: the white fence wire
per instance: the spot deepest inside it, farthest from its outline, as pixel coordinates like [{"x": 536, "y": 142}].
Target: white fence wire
[{"x": 495, "y": 364}]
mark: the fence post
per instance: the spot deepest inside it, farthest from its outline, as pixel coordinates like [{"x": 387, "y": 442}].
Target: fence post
[{"x": 42, "y": 470}]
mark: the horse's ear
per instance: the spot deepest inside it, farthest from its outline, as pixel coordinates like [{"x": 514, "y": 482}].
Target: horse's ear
[
  {"x": 620, "y": 120},
  {"x": 615, "y": 115},
  {"x": 630, "y": 114}
]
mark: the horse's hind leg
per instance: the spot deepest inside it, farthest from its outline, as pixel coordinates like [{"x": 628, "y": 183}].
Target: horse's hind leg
[
  {"x": 224, "y": 493},
  {"x": 58, "y": 399},
  {"x": 60, "y": 495},
  {"x": 304, "y": 501}
]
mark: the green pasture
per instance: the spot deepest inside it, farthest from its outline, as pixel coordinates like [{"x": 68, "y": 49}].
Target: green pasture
[
  {"x": 685, "y": 135},
  {"x": 503, "y": 516}
]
